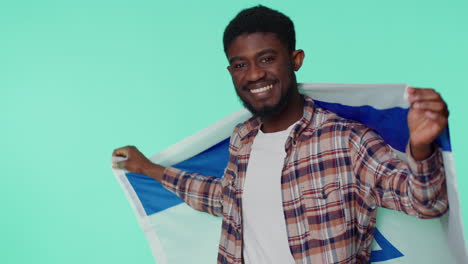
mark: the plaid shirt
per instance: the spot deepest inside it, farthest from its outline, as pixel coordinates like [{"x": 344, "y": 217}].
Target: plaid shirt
[{"x": 335, "y": 175}]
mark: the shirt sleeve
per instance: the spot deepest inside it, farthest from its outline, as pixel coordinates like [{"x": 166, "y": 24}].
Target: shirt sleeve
[
  {"x": 416, "y": 188},
  {"x": 203, "y": 193}
]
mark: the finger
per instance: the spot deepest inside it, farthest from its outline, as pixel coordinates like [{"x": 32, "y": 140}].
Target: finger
[
  {"x": 432, "y": 115},
  {"x": 439, "y": 122},
  {"x": 437, "y": 118},
  {"x": 421, "y": 94},
  {"x": 121, "y": 152},
  {"x": 435, "y": 106}
]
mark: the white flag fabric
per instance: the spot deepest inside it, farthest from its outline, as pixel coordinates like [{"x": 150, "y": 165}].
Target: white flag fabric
[{"x": 178, "y": 234}]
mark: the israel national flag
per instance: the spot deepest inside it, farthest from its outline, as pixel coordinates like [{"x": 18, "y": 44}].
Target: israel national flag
[{"x": 178, "y": 234}]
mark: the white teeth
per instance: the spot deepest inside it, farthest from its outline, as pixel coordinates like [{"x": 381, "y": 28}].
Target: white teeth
[{"x": 262, "y": 89}]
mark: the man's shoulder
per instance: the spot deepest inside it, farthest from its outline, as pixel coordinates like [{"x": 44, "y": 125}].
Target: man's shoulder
[
  {"x": 244, "y": 128},
  {"x": 241, "y": 131}
]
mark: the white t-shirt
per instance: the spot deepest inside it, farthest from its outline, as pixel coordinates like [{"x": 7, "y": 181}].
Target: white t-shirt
[{"x": 264, "y": 226}]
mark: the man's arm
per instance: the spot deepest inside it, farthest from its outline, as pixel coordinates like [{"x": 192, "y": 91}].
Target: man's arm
[
  {"x": 417, "y": 187},
  {"x": 136, "y": 162},
  {"x": 202, "y": 193}
]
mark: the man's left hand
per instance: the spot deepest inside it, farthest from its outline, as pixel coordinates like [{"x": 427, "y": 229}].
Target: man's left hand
[{"x": 427, "y": 118}]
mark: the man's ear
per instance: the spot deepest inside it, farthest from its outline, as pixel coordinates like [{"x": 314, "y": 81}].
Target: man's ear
[
  {"x": 229, "y": 68},
  {"x": 297, "y": 59}
]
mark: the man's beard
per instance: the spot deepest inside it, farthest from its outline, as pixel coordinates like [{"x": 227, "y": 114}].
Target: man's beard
[{"x": 269, "y": 111}]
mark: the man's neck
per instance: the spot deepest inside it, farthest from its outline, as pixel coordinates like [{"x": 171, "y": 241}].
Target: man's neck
[{"x": 291, "y": 114}]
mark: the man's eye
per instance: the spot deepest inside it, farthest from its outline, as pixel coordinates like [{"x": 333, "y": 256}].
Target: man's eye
[
  {"x": 268, "y": 59},
  {"x": 239, "y": 65}
]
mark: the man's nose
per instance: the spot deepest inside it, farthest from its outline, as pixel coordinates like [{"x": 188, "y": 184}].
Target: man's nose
[{"x": 255, "y": 73}]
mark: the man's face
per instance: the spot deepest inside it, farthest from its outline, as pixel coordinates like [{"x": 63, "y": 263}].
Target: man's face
[{"x": 262, "y": 70}]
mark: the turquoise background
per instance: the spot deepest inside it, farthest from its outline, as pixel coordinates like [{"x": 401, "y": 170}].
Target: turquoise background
[{"x": 80, "y": 78}]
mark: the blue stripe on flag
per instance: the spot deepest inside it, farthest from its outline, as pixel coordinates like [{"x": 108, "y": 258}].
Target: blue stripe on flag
[
  {"x": 389, "y": 123},
  {"x": 210, "y": 162},
  {"x": 153, "y": 196}
]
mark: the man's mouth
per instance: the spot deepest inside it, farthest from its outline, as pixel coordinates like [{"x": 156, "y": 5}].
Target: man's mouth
[{"x": 262, "y": 89}]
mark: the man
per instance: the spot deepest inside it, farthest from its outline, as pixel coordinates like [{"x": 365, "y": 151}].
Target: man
[{"x": 302, "y": 184}]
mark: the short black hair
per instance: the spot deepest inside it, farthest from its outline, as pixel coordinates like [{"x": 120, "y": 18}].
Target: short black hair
[{"x": 261, "y": 19}]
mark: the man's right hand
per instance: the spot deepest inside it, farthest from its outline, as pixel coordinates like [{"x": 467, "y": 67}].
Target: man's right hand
[{"x": 137, "y": 162}]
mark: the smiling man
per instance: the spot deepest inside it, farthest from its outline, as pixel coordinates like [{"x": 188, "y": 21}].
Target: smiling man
[
  {"x": 262, "y": 69},
  {"x": 302, "y": 184}
]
